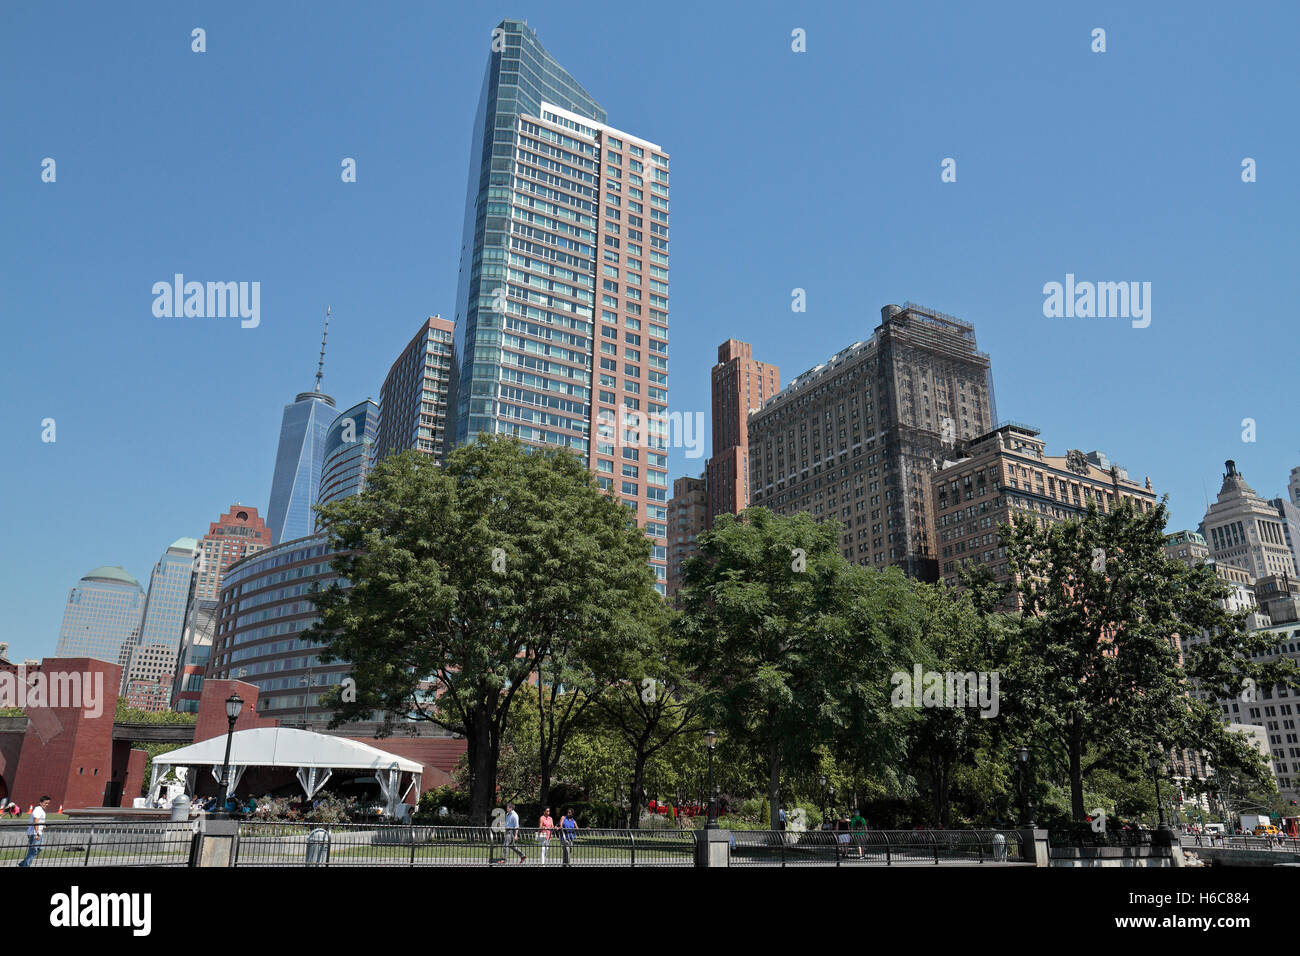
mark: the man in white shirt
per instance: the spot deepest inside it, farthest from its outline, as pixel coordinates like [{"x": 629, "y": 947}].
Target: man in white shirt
[{"x": 35, "y": 831}]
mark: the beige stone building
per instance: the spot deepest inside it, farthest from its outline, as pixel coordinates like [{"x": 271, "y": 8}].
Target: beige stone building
[
  {"x": 1244, "y": 530},
  {"x": 1007, "y": 473}
]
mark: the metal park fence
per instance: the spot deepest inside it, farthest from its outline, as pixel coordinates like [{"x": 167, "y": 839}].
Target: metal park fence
[
  {"x": 100, "y": 844},
  {"x": 1081, "y": 836},
  {"x": 1241, "y": 842},
  {"x": 293, "y": 844},
  {"x": 875, "y": 847},
  {"x": 217, "y": 842}
]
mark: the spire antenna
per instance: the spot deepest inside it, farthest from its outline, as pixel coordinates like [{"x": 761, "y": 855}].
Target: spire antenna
[{"x": 320, "y": 368}]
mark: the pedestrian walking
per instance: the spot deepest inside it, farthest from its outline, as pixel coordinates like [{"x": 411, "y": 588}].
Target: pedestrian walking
[
  {"x": 545, "y": 826},
  {"x": 35, "y": 831},
  {"x": 859, "y": 827},
  {"x": 567, "y": 827},
  {"x": 512, "y": 835}
]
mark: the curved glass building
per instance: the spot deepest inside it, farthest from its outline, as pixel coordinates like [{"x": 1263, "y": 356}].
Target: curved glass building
[
  {"x": 263, "y": 610},
  {"x": 348, "y": 450},
  {"x": 520, "y": 76}
]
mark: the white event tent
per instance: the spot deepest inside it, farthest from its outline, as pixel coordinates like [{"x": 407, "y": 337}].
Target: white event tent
[{"x": 314, "y": 756}]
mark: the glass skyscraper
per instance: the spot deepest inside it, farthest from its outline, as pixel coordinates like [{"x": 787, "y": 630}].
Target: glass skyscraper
[
  {"x": 298, "y": 464},
  {"x": 147, "y": 682},
  {"x": 348, "y": 448},
  {"x": 558, "y": 202},
  {"x": 102, "y": 616}
]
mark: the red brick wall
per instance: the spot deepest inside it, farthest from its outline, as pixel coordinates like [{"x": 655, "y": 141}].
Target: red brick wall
[
  {"x": 11, "y": 745},
  {"x": 136, "y": 767},
  {"x": 212, "y": 720},
  {"x": 68, "y": 753}
]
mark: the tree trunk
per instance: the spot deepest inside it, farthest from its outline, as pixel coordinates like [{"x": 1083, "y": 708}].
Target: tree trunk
[
  {"x": 638, "y": 787},
  {"x": 482, "y": 758},
  {"x": 1076, "y": 775},
  {"x": 941, "y": 770},
  {"x": 544, "y": 790},
  {"x": 774, "y": 783},
  {"x": 945, "y": 795}
]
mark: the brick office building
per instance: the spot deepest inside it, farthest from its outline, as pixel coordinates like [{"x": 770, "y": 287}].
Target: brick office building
[
  {"x": 740, "y": 385},
  {"x": 857, "y": 437},
  {"x": 687, "y": 517}
]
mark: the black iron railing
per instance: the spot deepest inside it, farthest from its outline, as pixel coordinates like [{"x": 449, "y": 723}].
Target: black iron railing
[
  {"x": 100, "y": 844},
  {"x": 879, "y": 847},
  {"x": 1085, "y": 836},
  {"x": 293, "y": 844}
]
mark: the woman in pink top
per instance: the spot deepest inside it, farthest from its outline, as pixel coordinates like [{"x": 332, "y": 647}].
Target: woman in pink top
[{"x": 546, "y": 825}]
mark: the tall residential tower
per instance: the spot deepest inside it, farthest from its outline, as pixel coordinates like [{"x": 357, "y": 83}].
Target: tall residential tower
[
  {"x": 562, "y": 307},
  {"x": 148, "y": 678},
  {"x": 413, "y": 400}
]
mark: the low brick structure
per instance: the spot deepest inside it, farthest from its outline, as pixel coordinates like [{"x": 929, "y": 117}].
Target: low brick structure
[{"x": 73, "y": 754}]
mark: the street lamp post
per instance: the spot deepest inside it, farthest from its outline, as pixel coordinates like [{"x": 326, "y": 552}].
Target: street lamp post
[
  {"x": 234, "y": 704},
  {"x": 711, "y": 741},
  {"x": 1027, "y": 801},
  {"x": 1154, "y": 763},
  {"x": 306, "y": 681},
  {"x": 822, "y": 781}
]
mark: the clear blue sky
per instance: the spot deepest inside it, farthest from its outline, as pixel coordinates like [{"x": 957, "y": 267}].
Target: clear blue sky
[{"x": 818, "y": 170}]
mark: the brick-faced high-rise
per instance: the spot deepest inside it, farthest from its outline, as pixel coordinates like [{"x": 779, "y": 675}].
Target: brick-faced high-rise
[
  {"x": 740, "y": 385},
  {"x": 687, "y": 513},
  {"x": 858, "y": 437}
]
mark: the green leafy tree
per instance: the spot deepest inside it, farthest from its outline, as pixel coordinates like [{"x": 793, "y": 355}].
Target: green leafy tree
[
  {"x": 773, "y": 617},
  {"x": 578, "y": 671},
  {"x": 463, "y": 578},
  {"x": 1098, "y": 677},
  {"x": 957, "y": 639},
  {"x": 655, "y": 702}
]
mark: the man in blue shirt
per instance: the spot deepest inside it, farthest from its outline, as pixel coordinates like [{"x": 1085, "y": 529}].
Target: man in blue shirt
[{"x": 512, "y": 834}]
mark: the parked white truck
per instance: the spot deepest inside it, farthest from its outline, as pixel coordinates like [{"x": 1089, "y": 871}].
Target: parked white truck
[{"x": 1251, "y": 820}]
